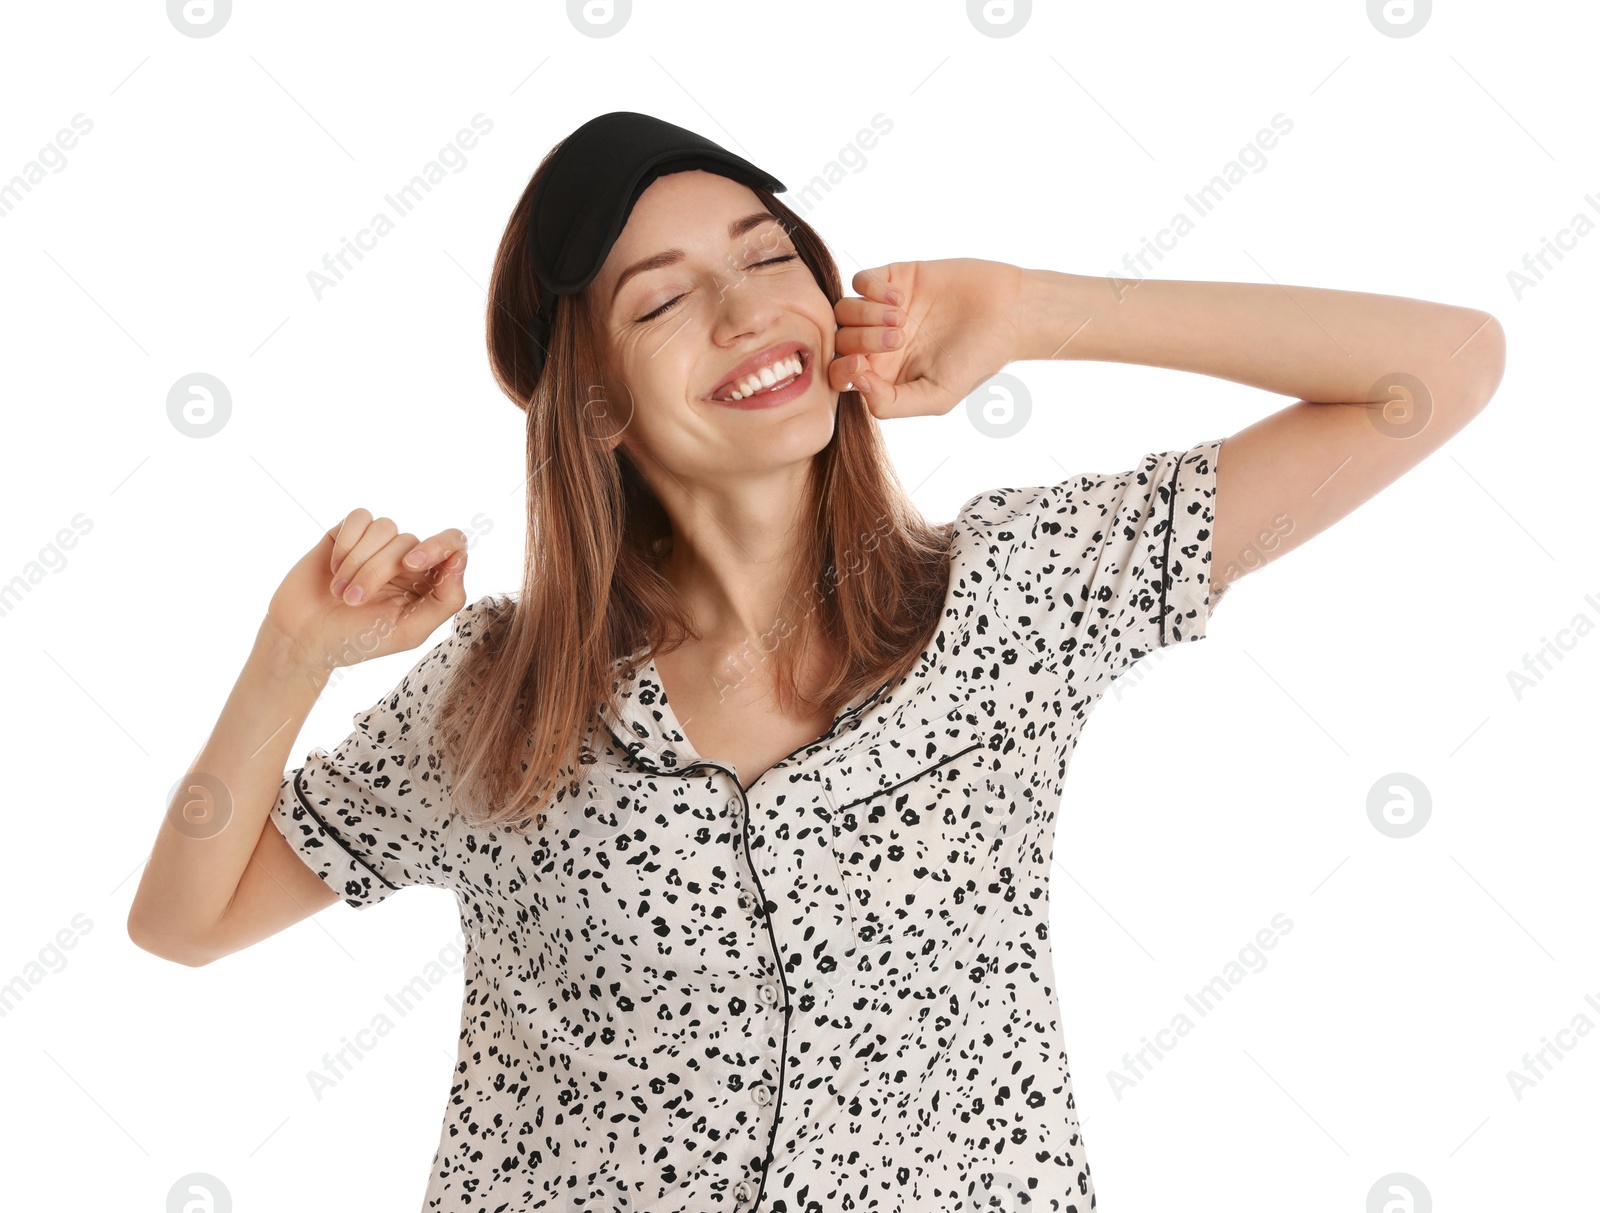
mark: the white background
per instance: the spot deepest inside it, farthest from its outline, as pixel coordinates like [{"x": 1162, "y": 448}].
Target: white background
[{"x": 1220, "y": 784}]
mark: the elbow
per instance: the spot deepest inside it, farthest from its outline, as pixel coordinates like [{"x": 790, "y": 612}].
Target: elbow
[
  {"x": 1483, "y": 357},
  {"x": 163, "y": 946}
]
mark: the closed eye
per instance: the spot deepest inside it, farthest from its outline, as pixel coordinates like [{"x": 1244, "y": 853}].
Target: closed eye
[{"x": 665, "y": 307}]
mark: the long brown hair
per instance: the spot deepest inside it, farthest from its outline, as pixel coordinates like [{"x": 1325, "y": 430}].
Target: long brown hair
[{"x": 871, "y": 577}]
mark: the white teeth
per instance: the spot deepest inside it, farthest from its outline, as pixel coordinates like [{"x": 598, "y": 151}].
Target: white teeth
[{"x": 784, "y": 368}]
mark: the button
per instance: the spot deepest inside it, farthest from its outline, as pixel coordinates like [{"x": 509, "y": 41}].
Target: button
[
  {"x": 868, "y": 931},
  {"x": 733, "y": 804},
  {"x": 768, "y": 994},
  {"x": 761, "y": 1094},
  {"x": 742, "y": 1191},
  {"x": 745, "y": 901}
]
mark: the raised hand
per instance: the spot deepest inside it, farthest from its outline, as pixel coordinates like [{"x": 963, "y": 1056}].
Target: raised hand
[
  {"x": 356, "y": 595},
  {"x": 923, "y": 334}
]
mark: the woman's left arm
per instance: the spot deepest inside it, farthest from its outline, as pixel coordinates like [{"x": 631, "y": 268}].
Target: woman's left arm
[{"x": 1409, "y": 374}]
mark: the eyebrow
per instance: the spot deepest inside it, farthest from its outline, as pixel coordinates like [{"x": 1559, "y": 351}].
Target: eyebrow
[{"x": 672, "y": 256}]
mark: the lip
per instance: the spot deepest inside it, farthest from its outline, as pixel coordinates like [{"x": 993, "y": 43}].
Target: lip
[
  {"x": 771, "y": 400},
  {"x": 755, "y": 362}
]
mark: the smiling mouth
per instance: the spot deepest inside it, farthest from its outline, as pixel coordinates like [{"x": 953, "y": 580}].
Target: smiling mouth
[{"x": 777, "y": 385}]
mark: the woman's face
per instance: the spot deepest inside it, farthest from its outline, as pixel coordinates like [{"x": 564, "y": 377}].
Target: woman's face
[{"x": 715, "y": 289}]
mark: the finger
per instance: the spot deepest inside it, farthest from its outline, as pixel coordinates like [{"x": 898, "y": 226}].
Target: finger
[
  {"x": 372, "y": 541},
  {"x": 843, "y": 373},
  {"x": 884, "y": 400},
  {"x": 866, "y": 313},
  {"x": 441, "y": 579},
  {"x": 384, "y": 571},
  {"x": 441, "y": 582},
  {"x": 880, "y": 283},
  {"x": 435, "y": 549},
  {"x": 345, "y": 535},
  {"x": 868, "y": 340},
  {"x": 451, "y": 589}
]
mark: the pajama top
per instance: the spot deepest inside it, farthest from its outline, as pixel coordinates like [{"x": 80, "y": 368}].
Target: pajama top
[{"x": 831, "y": 992}]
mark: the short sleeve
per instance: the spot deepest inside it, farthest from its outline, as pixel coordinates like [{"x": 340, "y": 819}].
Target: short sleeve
[
  {"x": 373, "y": 815},
  {"x": 1097, "y": 571}
]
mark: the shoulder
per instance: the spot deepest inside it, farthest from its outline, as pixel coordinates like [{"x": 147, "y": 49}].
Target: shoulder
[
  {"x": 1001, "y": 516},
  {"x": 415, "y": 698},
  {"x": 476, "y": 620}
]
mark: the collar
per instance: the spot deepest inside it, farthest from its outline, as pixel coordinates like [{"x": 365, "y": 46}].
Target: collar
[{"x": 643, "y": 723}]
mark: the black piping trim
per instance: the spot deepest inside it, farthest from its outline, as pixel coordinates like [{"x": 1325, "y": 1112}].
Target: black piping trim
[
  {"x": 788, "y": 997},
  {"x": 1166, "y": 549},
  {"x": 634, "y": 750},
  {"x": 328, "y": 830},
  {"x": 635, "y": 747},
  {"x": 909, "y": 778}
]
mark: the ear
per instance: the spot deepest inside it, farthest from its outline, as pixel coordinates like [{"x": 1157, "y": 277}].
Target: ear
[{"x": 609, "y": 411}]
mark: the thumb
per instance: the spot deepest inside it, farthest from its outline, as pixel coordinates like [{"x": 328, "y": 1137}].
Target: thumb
[
  {"x": 448, "y": 594},
  {"x": 885, "y": 399},
  {"x": 877, "y": 281}
]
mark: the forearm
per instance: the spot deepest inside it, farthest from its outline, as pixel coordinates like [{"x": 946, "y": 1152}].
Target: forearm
[
  {"x": 208, "y": 835},
  {"x": 1306, "y": 342}
]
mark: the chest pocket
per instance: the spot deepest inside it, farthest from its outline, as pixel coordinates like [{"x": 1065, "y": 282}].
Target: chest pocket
[{"x": 918, "y": 815}]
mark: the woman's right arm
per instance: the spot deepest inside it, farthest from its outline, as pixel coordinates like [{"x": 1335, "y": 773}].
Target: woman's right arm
[
  {"x": 221, "y": 877},
  {"x": 204, "y": 849}
]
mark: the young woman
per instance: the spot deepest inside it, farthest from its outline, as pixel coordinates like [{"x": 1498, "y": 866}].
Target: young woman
[{"x": 748, "y": 799}]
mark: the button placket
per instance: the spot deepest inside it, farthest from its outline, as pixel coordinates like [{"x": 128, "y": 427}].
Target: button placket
[
  {"x": 734, "y": 805},
  {"x": 747, "y": 900},
  {"x": 769, "y": 994}
]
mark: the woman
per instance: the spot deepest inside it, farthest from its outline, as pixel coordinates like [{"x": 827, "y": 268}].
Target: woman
[{"x": 748, "y": 800}]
